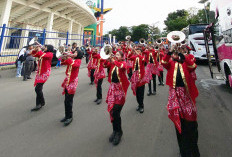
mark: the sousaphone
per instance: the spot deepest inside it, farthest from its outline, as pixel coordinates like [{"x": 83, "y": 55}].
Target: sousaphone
[{"x": 176, "y": 37}]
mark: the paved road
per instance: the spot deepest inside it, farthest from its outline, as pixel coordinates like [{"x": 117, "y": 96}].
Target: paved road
[{"x": 152, "y": 134}]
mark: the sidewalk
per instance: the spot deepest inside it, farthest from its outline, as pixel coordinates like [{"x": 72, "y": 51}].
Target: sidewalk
[{"x": 11, "y": 73}]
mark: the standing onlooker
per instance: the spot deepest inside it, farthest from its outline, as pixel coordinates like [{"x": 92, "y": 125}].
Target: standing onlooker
[
  {"x": 20, "y": 61},
  {"x": 61, "y": 49},
  {"x": 29, "y": 63}
]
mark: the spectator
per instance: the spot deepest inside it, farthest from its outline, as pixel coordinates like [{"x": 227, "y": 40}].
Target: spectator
[
  {"x": 20, "y": 61},
  {"x": 29, "y": 64},
  {"x": 61, "y": 49}
]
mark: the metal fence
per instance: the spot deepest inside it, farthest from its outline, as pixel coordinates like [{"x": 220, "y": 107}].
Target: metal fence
[{"x": 12, "y": 40}]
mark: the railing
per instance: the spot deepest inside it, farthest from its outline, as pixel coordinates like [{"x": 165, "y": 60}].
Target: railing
[{"x": 12, "y": 40}]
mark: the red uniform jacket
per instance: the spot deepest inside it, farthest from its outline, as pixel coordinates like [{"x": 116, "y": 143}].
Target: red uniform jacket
[
  {"x": 99, "y": 62},
  {"x": 185, "y": 68},
  {"x": 122, "y": 77},
  {"x": 191, "y": 57},
  {"x": 141, "y": 67},
  {"x": 71, "y": 81},
  {"x": 150, "y": 54},
  {"x": 160, "y": 55},
  {"x": 44, "y": 66},
  {"x": 92, "y": 61}
]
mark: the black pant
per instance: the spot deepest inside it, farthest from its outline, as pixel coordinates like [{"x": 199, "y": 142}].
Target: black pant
[
  {"x": 188, "y": 139},
  {"x": 161, "y": 77},
  {"x": 154, "y": 84},
  {"x": 92, "y": 75},
  {"x": 108, "y": 71},
  {"x": 29, "y": 66},
  {"x": 87, "y": 58},
  {"x": 99, "y": 89},
  {"x": 140, "y": 95},
  {"x": 68, "y": 103},
  {"x": 130, "y": 73},
  {"x": 117, "y": 122},
  {"x": 39, "y": 94}
]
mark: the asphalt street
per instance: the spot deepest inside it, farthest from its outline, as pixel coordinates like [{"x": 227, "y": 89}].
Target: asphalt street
[{"x": 151, "y": 134}]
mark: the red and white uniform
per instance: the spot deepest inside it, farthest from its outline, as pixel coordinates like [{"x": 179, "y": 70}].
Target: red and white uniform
[
  {"x": 117, "y": 91},
  {"x": 182, "y": 100},
  {"x": 99, "y": 71},
  {"x": 138, "y": 78},
  {"x": 44, "y": 66},
  {"x": 71, "y": 80},
  {"x": 152, "y": 64},
  {"x": 193, "y": 73},
  {"x": 92, "y": 62},
  {"x": 129, "y": 62},
  {"x": 159, "y": 56}
]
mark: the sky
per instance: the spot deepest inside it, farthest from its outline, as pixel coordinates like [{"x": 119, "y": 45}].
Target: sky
[{"x": 135, "y": 12}]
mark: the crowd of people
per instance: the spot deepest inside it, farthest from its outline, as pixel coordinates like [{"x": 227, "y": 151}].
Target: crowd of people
[{"x": 132, "y": 65}]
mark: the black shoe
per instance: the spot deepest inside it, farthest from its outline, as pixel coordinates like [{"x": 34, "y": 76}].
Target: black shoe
[
  {"x": 63, "y": 120},
  {"x": 154, "y": 93},
  {"x": 111, "y": 138},
  {"x": 95, "y": 100},
  {"x": 138, "y": 108},
  {"x": 141, "y": 110},
  {"x": 37, "y": 108},
  {"x": 91, "y": 83},
  {"x": 162, "y": 84},
  {"x": 24, "y": 79},
  {"x": 99, "y": 101},
  {"x": 29, "y": 78},
  {"x": 68, "y": 121},
  {"x": 117, "y": 138},
  {"x": 149, "y": 93}
]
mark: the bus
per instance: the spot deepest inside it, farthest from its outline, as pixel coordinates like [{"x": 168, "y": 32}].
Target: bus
[
  {"x": 195, "y": 39},
  {"x": 221, "y": 30}
]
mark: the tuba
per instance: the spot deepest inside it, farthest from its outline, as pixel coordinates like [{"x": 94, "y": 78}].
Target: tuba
[
  {"x": 106, "y": 52},
  {"x": 142, "y": 41},
  {"x": 176, "y": 37},
  {"x": 128, "y": 37}
]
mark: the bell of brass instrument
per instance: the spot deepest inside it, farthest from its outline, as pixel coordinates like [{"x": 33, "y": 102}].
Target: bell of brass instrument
[
  {"x": 142, "y": 41},
  {"x": 157, "y": 48},
  {"x": 128, "y": 37},
  {"x": 158, "y": 41},
  {"x": 183, "y": 43},
  {"x": 106, "y": 52}
]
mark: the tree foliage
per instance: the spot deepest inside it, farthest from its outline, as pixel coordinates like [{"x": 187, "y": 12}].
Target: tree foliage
[
  {"x": 180, "y": 19},
  {"x": 136, "y": 32}
]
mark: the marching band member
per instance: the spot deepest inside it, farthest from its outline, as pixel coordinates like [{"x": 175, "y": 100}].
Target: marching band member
[
  {"x": 187, "y": 50},
  {"x": 128, "y": 51},
  {"x": 70, "y": 83},
  {"x": 92, "y": 64},
  {"x": 160, "y": 55},
  {"x": 99, "y": 75},
  {"x": 151, "y": 69},
  {"x": 43, "y": 73},
  {"x": 138, "y": 79},
  {"x": 116, "y": 96},
  {"x": 182, "y": 101}
]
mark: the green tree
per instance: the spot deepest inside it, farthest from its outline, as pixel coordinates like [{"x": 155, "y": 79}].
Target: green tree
[
  {"x": 176, "y": 20},
  {"x": 139, "y": 32},
  {"x": 120, "y": 33}
]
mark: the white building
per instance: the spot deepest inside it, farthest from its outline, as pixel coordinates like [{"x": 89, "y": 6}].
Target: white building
[{"x": 52, "y": 15}]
